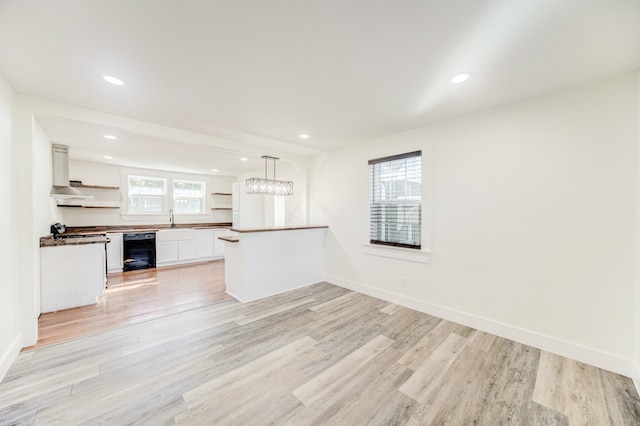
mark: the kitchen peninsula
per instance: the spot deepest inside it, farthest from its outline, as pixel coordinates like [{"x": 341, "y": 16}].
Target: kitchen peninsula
[{"x": 261, "y": 262}]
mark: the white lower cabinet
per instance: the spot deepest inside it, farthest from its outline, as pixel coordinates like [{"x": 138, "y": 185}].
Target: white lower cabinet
[
  {"x": 204, "y": 243},
  {"x": 71, "y": 276},
  {"x": 114, "y": 253},
  {"x": 187, "y": 250},
  {"x": 166, "y": 252},
  {"x": 176, "y": 246}
]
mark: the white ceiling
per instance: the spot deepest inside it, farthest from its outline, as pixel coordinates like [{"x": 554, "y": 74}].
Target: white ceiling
[
  {"x": 87, "y": 143},
  {"x": 261, "y": 72}
]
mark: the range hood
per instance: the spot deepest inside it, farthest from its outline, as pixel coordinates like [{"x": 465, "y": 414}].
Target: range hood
[{"x": 61, "y": 187}]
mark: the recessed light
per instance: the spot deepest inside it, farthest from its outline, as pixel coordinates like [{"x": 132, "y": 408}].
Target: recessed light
[
  {"x": 114, "y": 80},
  {"x": 244, "y": 159},
  {"x": 459, "y": 78},
  {"x": 214, "y": 170},
  {"x": 108, "y": 157},
  {"x": 303, "y": 136},
  {"x": 110, "y": 137}
]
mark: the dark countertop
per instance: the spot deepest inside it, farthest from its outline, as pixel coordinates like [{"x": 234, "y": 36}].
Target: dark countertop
[
  {"x": 100, "y": 233},
  {"x": 49, "y": 241},
  {"x": 84, "y": 230},
  {"x": 277, "y": 228},
  {"x": 229, "y": 238}
]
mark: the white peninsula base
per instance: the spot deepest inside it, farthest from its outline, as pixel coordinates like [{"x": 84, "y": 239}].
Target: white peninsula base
[
  {"x": 261, "y": 262},
  {"x": 71, "y": 275}
]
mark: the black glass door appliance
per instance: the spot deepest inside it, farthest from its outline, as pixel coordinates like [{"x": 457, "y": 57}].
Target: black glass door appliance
[{"x": 139, "y": 251}]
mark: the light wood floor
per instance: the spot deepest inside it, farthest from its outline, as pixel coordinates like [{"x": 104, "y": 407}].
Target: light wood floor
[
  {"x": 317, "y": 355},
  {"x": 136, "y": 296}
]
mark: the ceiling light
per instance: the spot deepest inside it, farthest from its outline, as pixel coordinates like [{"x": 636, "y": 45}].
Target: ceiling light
[
  {"x": 114, "y": 80},
  {"x": 108, "y": 157},
  {"x": 459, "y": 78},
  {"x": 110, "y": 137},
  {"x": 214, "y": 170},
  {"x": 244, "y": 159},
  {"x": 269, "y": 186},
  {"x": 304, "y": 136}
]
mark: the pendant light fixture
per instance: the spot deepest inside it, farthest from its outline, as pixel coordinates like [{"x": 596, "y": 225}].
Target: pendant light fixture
[{"x": 269, "y": 186}]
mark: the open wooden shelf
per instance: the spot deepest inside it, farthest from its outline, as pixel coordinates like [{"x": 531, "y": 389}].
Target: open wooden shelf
[
  {"x": 77, "y": 206},
  {"x": 76, "y": 184},
  {"x": 224, "y": 206}
]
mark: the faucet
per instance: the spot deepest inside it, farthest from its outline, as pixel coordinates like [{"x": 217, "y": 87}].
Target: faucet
[{"x": 171, "y": 219}]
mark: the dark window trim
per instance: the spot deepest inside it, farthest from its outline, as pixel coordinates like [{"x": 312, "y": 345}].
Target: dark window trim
[
  {"x": 386, "y": 243},
  {"x": 395, "y": 157}
]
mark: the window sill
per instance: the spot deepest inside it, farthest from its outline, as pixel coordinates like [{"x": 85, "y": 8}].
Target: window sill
[
  {"x": 163, "y": 217},
  {"x": 165, "y": 214},
  {"x": 401, "y": 253}
]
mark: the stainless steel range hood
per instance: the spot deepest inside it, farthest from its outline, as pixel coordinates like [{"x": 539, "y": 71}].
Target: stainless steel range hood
[{"x": 61, "y": 187}]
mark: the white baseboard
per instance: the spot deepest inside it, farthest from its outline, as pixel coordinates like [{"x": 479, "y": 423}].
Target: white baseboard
[
  {"x": 543, "y": 342},
  {"x": 187, "y": 262},
  {"x": 9, "y": 356},
  {"x": 636, "y": 376}
]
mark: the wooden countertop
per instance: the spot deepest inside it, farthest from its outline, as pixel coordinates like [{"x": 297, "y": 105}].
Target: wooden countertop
[
  {"x": 49, "y": 241},
  {"x": 229, "y": 238},
  {"x": 278, "y": 228},
  {"x": 101, "y": 232},
  {"x": 85, "y": 230}
]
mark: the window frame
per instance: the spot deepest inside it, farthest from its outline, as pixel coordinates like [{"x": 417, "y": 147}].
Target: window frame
[
  {"x": 202, "y": 198},
  {"x": 380, "y": 206},
  {"x": 164, "y": 196},
  {"x": 422, "y": 255},
  {"x": 128, "y": 214}
]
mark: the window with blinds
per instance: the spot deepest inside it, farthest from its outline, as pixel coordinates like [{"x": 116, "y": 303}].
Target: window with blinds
[{"x": 396, "y": 200}]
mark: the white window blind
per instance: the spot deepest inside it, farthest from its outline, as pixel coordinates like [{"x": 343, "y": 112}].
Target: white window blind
[
  {"x": 396, "y": 200},
  {"x": 188, "y": 196},
  {"x": 147, "y": 194}
]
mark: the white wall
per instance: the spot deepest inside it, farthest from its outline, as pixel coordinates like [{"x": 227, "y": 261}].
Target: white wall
[
  {"x": 25, "y": 153},
  {"x": 25, "y": 235},
  {"x": 44, "y": 212},
  {"x": 109, "y": 175},
  {"x": 636, "y": 375},
  {"x": 533, "y": 230},
  {"x": 254, "y": 210},
  {"x": 296, "y": 204},
  {"x": 10, "y": 333}
]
